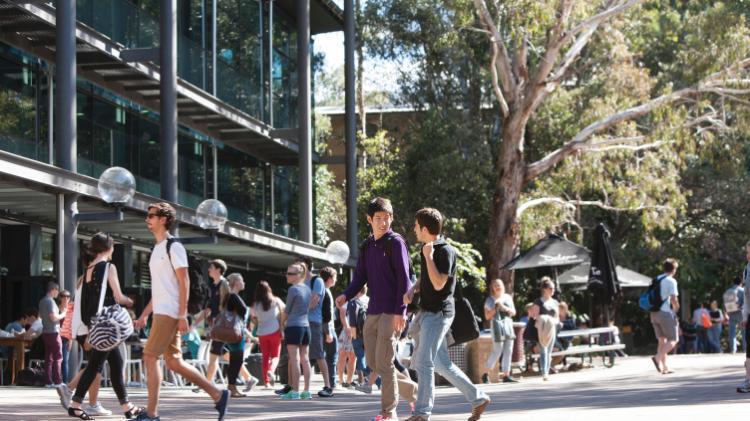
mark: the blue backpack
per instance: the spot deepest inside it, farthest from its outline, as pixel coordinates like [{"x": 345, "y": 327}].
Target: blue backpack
[{"x": 651, "y": 299}]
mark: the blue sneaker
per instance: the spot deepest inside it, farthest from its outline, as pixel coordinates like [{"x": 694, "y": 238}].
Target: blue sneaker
[
  {"x": 290, "y": 396},
  {"x": 221, "y": 404},
  {"x": 305, "y": 395},
  {"x": 143, "y": 416}
]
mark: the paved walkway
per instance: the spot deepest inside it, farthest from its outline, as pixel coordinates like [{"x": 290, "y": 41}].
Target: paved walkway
[{"x": 702, "y": 389}]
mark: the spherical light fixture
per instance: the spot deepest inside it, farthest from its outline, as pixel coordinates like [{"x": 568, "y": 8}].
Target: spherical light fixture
[
  {"x": 337, "y": 252},
  {"x": 116, "y": 185},
  {"x": 211, "y": 214}
]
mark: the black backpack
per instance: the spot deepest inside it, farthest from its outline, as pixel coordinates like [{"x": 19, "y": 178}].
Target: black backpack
[
  {"x": 198, "y": 289},
  {"x": 326, "y": 311},
  {"x": 361, "y": 316}
]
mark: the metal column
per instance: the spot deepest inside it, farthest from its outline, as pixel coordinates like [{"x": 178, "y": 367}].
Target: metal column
[
  {"x": 303, "y": 101},
  {"x": 65, "y": 134},
  {"x": 350, "y": 133},
  {"x": 168, "y": 94}
]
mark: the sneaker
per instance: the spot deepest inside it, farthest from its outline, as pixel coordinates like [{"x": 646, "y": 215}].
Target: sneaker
[
  {"x": 305, "y": 395},
  {"x": 97, "y": 409},
  {"x": 486, "y": 378},
  {"x": 477, "y": 411},
  {"x": 65, "y": 395},
  {"x": 364, "y": 388},
  {"x": 143, "y": 416},
  {"x": 284, "y": 390},
  {"x": 50, "y": 386},
  {"x": 417, "y": 418},
  {"x": 509, "y": 379},
  {"x": 744, "y": 387},
  {"x": 222, "y": 403},
  {"x": 326, "y": 392},
  {"x": 250, "y": 384},
  {"x": 290, "y": 396},
  {"x": 346, "y": 385}
]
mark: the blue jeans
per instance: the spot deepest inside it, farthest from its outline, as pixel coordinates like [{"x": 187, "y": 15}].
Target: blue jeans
[
  {"x": 332, "y": 357},
  {"x": 735, "y": 319},
  {"x": 545, "y": 357},
  {"x": 359, "y": 351},
  {"x": 66, "y": 354},
  {"x": 714, "y": 338},
  {"x": 432, "y": 356}
]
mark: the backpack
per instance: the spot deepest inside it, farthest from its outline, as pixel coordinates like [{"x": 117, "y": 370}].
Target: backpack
[
  {"x": 651, "y": 299},
  {"x": 326, "y": 311},
  {"x": 731, "y": 300},
  {"x": 360, "y": 318},
  {"x": 198, "y": 294}
]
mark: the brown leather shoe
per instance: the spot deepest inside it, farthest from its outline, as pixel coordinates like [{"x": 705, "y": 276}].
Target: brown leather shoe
[
  {"x": 234, "y": 392},
  {"x": 477, "y": 411}
]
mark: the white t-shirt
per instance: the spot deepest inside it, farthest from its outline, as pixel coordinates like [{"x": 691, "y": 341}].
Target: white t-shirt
[
  {"x": 668, "y": 288},
  {"x": 165, "y": 292}
]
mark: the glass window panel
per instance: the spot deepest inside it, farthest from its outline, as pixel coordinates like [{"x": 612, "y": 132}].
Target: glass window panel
[
  {"x": 286, "y": 197},
  {"x": 241, "y": 186}
]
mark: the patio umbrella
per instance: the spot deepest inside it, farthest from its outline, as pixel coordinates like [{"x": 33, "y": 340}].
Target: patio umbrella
[
  {"x": 578, "y": 277},
  {"x": 552, "y": 251},
  {"x": 603, "y": 282}
]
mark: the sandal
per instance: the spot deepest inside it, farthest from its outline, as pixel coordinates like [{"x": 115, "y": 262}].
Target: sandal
[
  {"x": 79, "y": 413},
  {"x": 134, "y": 411}
]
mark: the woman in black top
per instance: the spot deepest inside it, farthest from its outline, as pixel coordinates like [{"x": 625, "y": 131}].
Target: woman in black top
[
  {"x": 232, "y": 302},
  {"x": 714, "y": 332},
  {"x": 88, "y": 294}
]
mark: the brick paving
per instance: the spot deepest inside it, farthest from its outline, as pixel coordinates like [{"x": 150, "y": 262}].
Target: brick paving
[{"x": 703, "y": 388}]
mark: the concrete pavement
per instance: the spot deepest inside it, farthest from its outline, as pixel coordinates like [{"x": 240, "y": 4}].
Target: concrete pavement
[{"x": 702, "y": 388}]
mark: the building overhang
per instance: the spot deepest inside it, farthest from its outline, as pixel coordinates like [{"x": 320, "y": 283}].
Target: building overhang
[
  {"x": 325, "y": 15},
  {"x": 27, "y": 194},
  {"x": 30, "y": 26}
]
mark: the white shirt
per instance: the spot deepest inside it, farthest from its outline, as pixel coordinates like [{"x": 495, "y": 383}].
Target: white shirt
[
  {"x": 165, "y": 292},
  {"x": 668, "y": 288}
]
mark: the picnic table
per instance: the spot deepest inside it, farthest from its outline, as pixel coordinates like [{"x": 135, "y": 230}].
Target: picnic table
[
  {"x": 17, "y": 361},
  {"x": 589, "y": 345}
]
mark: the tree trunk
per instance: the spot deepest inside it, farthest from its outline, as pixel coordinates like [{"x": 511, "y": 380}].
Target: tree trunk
[{"x": 504, "y": 229}]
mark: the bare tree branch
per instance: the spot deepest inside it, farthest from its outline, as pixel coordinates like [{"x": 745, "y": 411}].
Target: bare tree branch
[
  {"x": 631, "y": 148},
  {"x": 521, "y": 63},
  {"x": 496, "y": 85},
  {"x": 502, "y": 62},
  {"x": 571, "y": 205}
]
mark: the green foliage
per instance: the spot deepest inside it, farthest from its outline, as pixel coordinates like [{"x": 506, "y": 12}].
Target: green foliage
[{"x": 330, "y": 208}]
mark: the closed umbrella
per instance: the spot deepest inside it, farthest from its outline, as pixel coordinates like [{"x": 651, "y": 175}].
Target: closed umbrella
[{"x": 603, "y": 282}]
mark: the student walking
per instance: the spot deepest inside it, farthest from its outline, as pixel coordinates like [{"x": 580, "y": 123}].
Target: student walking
[
  {"x": 347, "y": 359},
  {"x": 267, "y": 312},
  {"x": 664, "y": 321},
  {"x": 546, "y": 326},
  {"x": 384, "y": 266},
  {"x": 170, "y": 287},
  {"x": 436, "y": 285},
  {"x": 232, "y": 302},
  {"x": 51, "y": 316},
  {"x": 734, "y": 300},
  {"x": 714, "y": 332},
  {"x": 356, "y": 314},
  {"x": 745, "y": 386},
  {"x": 297, "y": 330},
  {"x": 330, "y": 339},
  {"x": 100, "y": 274},
  {"x": 216, "y": 270},
  {"x": 66, "y": 335},
  {"x": 499, "y": 311}
]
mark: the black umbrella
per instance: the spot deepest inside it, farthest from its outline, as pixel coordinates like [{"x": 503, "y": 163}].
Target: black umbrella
[
  {"x": 603, "y": 282},
  {"x": 552, "y": 251},
  {"x": 579, "y": 276}
]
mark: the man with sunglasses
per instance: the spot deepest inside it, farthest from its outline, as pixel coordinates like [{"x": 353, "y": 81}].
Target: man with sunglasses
[{"x": 170, "y": 286}]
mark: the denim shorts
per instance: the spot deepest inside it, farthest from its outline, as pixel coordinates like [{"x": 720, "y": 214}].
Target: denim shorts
[{"x": 297, "y": 335}]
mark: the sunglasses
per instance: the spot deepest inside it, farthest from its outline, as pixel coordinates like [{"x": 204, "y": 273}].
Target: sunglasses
[
  {"x": 152, "y": 215},
  {"x": 292, "y": 273},
  {"x": 65, "y": 295}
]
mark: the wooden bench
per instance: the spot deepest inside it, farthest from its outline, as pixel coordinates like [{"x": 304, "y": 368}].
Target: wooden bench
[{"x": 588, "y": 347}]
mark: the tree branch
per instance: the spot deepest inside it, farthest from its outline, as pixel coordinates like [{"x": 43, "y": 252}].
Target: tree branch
[
  {"x": 502, "y": 62},
  {"x": 708, "y": 85},
  {"x": 572, "y": 204},
  {"x": 496, "y": 85}
]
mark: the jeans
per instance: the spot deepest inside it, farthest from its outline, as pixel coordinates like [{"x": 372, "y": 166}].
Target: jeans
[
  {"x": 52, "y": 358},
  {"x": 545, "y": 358},
  {"x": 714, "y": 338},
  {"x": 65, "y": 354},
  {"x": 432, "y": 356},
  {"x": 504, "y": 348},
  {"x": 735, "y": 319},
  {"x": 332, "y": 357},
  {"x": 116, "y": 371},
  {"x": 359, "y": 351}
]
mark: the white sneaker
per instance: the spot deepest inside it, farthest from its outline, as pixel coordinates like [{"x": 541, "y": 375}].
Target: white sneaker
[
  {"x": 50, "y": 386},
  {"x": 65, "y": 395},
  {"x": 250, "y": 384},
  {"x": 97, "y": 409}
]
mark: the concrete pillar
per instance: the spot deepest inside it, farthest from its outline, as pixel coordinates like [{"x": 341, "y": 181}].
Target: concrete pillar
[
  {"x": 168, "y": 96},
  {"x": 350, "y": 134},
  {"x": 303, "y": 114}
]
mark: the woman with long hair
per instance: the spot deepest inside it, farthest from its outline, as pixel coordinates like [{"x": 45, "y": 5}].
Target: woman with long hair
[
  {"x": 267, "y": 312},
  {"x": 546, "y": 324},
  {"x": 297, "y": 330},
  {"x": 232, "y": 302},
  {"x": 499, "y": 311},
  {"x": 100, "y": 273}
]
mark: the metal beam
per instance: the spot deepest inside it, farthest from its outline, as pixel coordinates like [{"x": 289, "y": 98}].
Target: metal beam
[
  {"x": 350, "y": 133},
  {"x": 303, "y": 101},
  {"x": 168, "y": 100}
]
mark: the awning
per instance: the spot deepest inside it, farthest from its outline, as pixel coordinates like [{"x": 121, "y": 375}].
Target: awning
[{"x": 579, "y": 275}]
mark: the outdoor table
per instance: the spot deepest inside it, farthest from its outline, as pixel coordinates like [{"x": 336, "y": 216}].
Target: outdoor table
[{"x": 17, "y": 360}]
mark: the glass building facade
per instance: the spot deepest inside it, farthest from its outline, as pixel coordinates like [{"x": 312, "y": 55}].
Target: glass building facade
[{"x": 114, "y": 131}]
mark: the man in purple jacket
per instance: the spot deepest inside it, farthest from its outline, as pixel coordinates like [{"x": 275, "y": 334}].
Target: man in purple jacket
[{"x": 384, "y": 266}]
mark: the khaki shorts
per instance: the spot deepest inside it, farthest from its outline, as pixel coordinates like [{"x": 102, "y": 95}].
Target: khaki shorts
[
  {"x": 665, "y": 325},
  {"x": 163, "y": 338}
]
